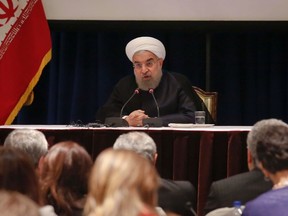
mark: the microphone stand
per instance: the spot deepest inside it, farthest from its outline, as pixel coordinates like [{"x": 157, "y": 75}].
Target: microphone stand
[
  {"x": 119, "y": 121},
  {"x": 153, "y": 122},
  {"x": 190, "y": 208}
]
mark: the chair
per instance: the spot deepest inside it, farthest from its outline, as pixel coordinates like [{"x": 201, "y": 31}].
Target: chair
[{"x": 210, "y": 99}]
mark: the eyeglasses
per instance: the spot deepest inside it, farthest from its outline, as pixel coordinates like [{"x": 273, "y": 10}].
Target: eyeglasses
[{"x": 148, "y": 64}]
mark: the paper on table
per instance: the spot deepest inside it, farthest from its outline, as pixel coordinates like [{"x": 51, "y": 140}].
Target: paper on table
[{"x": 187, "y": 125}]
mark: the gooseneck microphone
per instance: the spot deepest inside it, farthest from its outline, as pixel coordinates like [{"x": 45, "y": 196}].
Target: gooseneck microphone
[
  {"x": 119, "y": 121},
  {"x": 136, "y": 91},
  {"x": 189, "y": 207},
  {"x": 151, "y": 91},
  {"x": 153, "y": 122}
]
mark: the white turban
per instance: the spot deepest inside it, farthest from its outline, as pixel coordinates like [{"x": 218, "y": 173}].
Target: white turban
[{"x": 145, "y": 43}]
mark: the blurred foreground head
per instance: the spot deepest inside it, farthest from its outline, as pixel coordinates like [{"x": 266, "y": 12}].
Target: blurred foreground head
[
  {"x": 31, "y": 141},
  {"x": 122, "y": 183},
  {"x": 64, "y": 175},
  {"x": 269, "y": 131},
  {"x": 139, "y": 142},
  {"x": 17, "y": 173}
]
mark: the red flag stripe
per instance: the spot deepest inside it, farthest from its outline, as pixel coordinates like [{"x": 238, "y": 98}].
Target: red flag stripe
[{"x": 22, "y": 64}]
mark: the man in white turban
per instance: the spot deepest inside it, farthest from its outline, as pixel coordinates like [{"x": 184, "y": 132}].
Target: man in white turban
[
  {"x": 150, "y": 53},
  {"x": 133, "y": 96}
]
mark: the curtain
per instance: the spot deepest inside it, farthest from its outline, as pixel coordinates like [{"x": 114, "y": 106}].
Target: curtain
[
  {"x": 248, "y": 70},
  {"x": 250, "y": 73}
]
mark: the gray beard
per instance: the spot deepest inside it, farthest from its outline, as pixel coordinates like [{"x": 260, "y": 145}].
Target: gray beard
[{"x": 146, "y": 85}]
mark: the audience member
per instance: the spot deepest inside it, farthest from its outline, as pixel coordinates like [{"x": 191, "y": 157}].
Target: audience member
[
  {"x": 17, "y": 173},
  {"x": 173, "y": 196},
  {"x": 64, "y": 178},
  {"x": 31, "y": 141},
  {"x": 13, "y": 203},
  {"x": 122, "y": 183},
  {"x": 173, "y": 92},
  {"x": 244, "y": 186},
  {"x": 34, "y": 144},
  {"x": 272, "y": 157}
]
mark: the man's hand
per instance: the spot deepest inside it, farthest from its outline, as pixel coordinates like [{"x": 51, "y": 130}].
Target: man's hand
[{"x": 135, "y": 118}]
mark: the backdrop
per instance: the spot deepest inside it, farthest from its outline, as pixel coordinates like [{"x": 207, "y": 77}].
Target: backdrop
[{"x": 248, "y": 68}]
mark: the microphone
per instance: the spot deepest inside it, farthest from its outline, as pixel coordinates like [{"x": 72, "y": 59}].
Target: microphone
[
  {"x": 119, "y": 121},
  {"x": 136, "y": 91},
  {"x": 153, "y": 122},
  {"x": 190, "y": 208},
  {"x": 151, "y": 91}
]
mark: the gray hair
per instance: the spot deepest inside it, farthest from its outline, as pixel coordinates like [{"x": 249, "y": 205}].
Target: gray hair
[
  {"x": 259, "y": 133},
  {"x": 139, "y": 142},
  {"x": 31, "y": 141}
]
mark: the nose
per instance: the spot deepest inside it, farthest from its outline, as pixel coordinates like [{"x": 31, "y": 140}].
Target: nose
[{"x": 144, "y": 69}]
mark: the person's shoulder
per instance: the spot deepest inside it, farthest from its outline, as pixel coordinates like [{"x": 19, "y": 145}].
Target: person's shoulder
[
  {"x": 262, "y": 201},
  {"x": 176, "y": 75},
  {"x": 273, "y": 202},
  {"x": 238, "y": 177},
  {"x": 176, "y": 196},
  {"x": 176, "y": 185},
  {"x": 273, "y": 196},
  {"x": 178, "y": 79},
  {"x": 252, "y": 181},
  {"x": 222, "y": 192}
]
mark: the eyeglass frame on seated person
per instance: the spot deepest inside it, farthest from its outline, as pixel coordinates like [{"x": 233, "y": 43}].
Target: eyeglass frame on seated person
[{"x": 148, "y": 64}]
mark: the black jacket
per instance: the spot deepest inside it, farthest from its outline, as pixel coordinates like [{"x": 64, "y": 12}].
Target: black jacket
[
  {"x": 244, "y": 187},
  {"x": 177, "y": 196},
  {"x": 175, "y": 96}
]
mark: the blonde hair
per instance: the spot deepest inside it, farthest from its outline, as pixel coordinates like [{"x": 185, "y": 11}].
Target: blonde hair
[{"x": 121, "y": 183}]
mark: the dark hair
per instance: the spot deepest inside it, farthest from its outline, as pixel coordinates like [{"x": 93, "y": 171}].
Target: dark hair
[
  {"x": 272, "y": 151},
  {"x": 64, "y": 177},
  {"x": 17, "y": 173}
]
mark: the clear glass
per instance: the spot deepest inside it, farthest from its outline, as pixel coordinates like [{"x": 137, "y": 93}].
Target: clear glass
[{"x": 199, "y": 117}]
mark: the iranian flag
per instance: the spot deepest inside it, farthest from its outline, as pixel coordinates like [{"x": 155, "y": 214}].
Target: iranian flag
[{"x": 25, "y": 49}]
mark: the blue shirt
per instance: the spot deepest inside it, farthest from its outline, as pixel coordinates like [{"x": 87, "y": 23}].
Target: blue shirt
[{"x": 271, "y": 203}]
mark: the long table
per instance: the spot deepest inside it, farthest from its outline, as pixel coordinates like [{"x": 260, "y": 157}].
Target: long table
[{"x": 198, "y": 154}]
